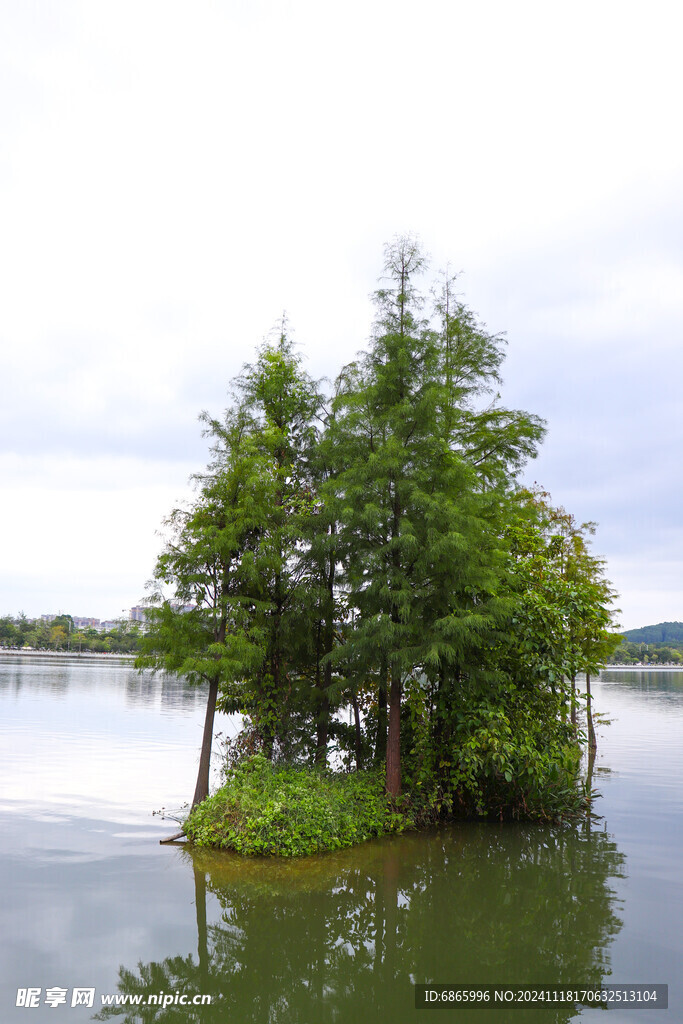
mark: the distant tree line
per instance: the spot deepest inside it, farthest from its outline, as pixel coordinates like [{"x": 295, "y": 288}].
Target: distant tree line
[
  {"x": 60, "y": 635},
  {"x": 647, "y": 653},
  {"x": 366, "y": 578}
]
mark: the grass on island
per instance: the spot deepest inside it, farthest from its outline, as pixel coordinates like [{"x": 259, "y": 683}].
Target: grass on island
[
  {"x": 283, "y": 811},
  {"x": 267, "y": 810}
]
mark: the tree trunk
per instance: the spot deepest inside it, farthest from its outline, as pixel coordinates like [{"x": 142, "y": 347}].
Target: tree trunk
[
  {"x": 381, "y": 739},
  {"x": 573, "y": 700},
  {"x": 322, "y": 730},
  {"x": 323, "y": 721},
  {"x": 394, "y": 738},
  {"x": 359, "y": 743},
  {"x": 592, "y": 740},
  {"x": 267, "y": 701},
  {"x": 589, "y": 788},
  {"x": 323, "y": 725},
  {"x": 202, "y": 788},
  {"x": 202, "y": 937}
]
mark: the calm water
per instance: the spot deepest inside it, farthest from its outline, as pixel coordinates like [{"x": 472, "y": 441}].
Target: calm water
[{"x": 90, "y": 899}]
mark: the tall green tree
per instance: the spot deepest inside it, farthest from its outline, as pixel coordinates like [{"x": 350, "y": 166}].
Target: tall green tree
[
  {"x": 417, "y": 491},
  {"x": 8, "y": 631},
  {"x": 496, "y": 441},
  {"x": 324, "y": 606},
  {"x": 282, "y": 403},
  {"x": 200, "y": 625},
  {"x": 229, "y": 588}
]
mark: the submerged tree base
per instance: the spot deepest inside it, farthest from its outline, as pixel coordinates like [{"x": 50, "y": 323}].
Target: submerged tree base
[{"x": 271, "y": 811}]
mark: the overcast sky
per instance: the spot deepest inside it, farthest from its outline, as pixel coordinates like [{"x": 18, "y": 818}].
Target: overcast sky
[{"x": 173, "y": 176}]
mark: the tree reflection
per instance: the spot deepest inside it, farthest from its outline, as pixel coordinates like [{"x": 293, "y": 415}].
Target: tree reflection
[{"x": 345, "y": 937}]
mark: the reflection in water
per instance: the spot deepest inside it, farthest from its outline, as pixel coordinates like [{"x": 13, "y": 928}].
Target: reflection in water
[
  {"x": 89, "y": 739},
  {"x": 19, "y": 672},
  {"x": 140, "y": 688},
  {"x": 52, "y": 676},
  {"x": 659, "y": 682},
  {"x": 346, "y": 936},
  {"x": 169, "y": 691},
  {"x": 89, "y": 749}
]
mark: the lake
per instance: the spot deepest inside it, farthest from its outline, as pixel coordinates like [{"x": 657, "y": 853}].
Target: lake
[{"x": 91, "y": 901}]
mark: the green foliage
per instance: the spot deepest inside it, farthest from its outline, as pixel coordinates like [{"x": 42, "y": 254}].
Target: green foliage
[
  {"x": 240, "y": 598},
  {"x": 562, "y": 621},
  {"x": 365, "y": 576},
  {"x": 647, "y": 653},
  {"x": 60, "y": 635},
  {"x": 264, "y": 810},
  {"x": 509, "y": 755},
  {"x": 422, "y": 470}
]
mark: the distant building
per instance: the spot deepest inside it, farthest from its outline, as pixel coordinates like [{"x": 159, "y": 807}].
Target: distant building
[
  {"x": 85, "y": 623},
  {"x": 137, "y": 614}
]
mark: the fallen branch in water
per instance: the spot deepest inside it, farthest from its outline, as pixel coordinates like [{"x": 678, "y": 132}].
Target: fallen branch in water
[{"x": 170, "y": 839}]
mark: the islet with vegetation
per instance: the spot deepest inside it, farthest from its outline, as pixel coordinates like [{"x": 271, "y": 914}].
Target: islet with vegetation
[{"x": 400, "y": 623}]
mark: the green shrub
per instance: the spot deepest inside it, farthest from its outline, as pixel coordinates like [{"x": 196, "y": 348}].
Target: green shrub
[
  {"x": 507, "y": 763},
  {"x": 267, "y": 810}
]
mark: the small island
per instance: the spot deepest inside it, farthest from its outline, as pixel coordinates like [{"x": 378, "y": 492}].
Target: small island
[{"x": 402, "y": 626}]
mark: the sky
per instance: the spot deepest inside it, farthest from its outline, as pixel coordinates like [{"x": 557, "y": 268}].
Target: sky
[{"x": 174, "y": 176}]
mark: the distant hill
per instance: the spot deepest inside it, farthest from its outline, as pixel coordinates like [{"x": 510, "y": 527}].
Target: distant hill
[{"x": 662, "y": 633}]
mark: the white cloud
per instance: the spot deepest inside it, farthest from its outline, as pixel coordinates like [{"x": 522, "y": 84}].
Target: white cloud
[
  {"x": 83, "y": 533},
  {"x": 172, "y": 179}
]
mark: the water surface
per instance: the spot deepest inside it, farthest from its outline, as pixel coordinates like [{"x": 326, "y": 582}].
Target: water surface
[{"x": 90, "y": 899}]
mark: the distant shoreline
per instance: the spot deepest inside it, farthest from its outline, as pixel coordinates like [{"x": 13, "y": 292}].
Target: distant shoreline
[
  {"x": 111, "y": 656},
  {"x": 642, "y": 668},
  {"x": 107, "y": 655}
]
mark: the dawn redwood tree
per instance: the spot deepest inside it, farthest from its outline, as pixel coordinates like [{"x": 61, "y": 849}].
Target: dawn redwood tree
[
  {"x": 201, "y": 630},
  {"x": 229, "y": 586},
  {"x": 469, "y": 604},
  {"x": 496, "y": 441},
  {"x": 277, "y": 404},
  {"x": 324, "y": 606},
  {"x": 384, "y": 429},
  {"x": 284, "y": 403},
  {"x": 419, "y": 488}
]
